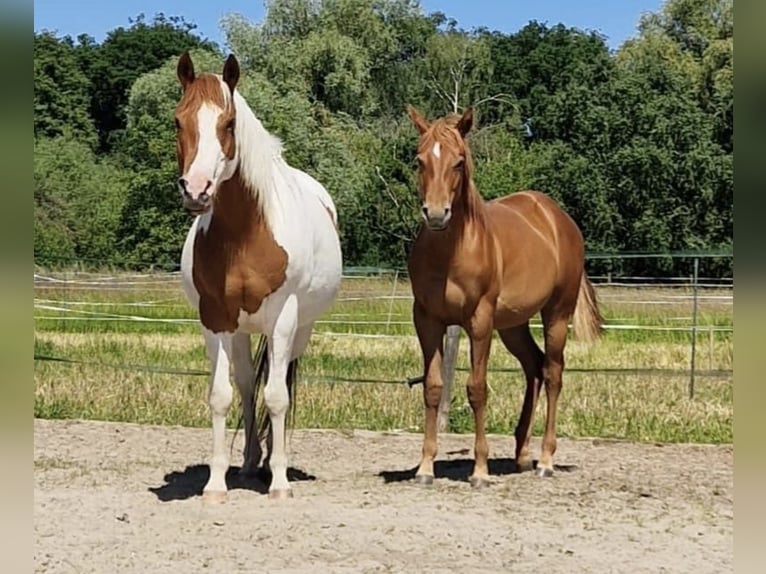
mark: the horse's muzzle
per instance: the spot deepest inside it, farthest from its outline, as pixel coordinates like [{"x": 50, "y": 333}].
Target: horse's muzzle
[{"x": 437, "y": 220}]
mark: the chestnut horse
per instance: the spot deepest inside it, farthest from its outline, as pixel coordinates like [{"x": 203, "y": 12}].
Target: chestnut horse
[
  {"x": 490, "y": 266},
  {"x": 262, "y": 256}
]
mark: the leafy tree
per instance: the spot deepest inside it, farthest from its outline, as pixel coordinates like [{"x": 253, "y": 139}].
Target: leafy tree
[
  {"x": 459, "y": 68},
  {"x": 637, "y": 145},
  {"x": 61, "y": 90},
  {"x": 124, "y": 55},
  {"x": 704, "y": 30},
  {"x": 78, "y": 201}
]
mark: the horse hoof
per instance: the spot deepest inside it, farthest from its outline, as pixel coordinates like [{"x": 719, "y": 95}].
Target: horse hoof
[
  {"x": 479, "y": 482},
  {"x": 424, "y": 479},
  {"x": 524, "y": 465},
  {"x": 544, "y": 472},
  {"x": 214, "y": 496},
  {"x": 281, "y": 493}
]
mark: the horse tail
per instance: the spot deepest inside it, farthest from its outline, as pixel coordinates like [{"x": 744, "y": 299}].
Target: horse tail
[
  {"x": 587, "y": 320},
  {"x": 261, "y": 359}
]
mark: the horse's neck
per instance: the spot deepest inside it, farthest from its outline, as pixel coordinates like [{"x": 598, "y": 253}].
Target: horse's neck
[
  {"x": 468, "y": 210},
  {"x": 236, "y": 207}
]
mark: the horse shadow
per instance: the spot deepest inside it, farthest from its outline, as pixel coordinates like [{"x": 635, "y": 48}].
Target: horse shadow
[
  {"x": 460, "y": 469},
  {"x": 188, "y": 483}
]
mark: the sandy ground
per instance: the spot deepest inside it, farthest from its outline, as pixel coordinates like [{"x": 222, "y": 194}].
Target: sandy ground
[{"x": 125, "y": 498}]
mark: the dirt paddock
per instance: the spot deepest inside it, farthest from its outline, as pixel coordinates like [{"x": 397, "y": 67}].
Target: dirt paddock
[{"x": 125, "y": 498}]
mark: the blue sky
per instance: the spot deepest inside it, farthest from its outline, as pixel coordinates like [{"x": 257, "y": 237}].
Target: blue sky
[{"x": 615, "y": 19}]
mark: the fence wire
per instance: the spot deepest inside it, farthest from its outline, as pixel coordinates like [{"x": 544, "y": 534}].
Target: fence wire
[{"x": 166, "y": 281}]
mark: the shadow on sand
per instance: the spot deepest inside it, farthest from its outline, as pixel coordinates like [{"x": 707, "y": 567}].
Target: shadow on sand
[
  {"x": 181, "y": 485},
  {"x": 460, "y": 469}
]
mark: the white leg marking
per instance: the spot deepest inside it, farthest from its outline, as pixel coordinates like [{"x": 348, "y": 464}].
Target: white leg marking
[
  {"x": 219, "y": 398},
  {"x": 275, "y": 393}
]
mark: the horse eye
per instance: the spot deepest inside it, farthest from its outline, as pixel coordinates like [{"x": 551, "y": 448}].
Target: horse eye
[
  {"x": 230, "y": 125},
  {"x": 458, "y": 164}
]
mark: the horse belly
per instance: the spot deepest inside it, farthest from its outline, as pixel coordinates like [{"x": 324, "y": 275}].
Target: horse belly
[
  {"x": 513, "y": 313},
  {"x": 315, "y": 263},
  {"x": 324, "y": 277},
  {"x": 522, "y": 296}
]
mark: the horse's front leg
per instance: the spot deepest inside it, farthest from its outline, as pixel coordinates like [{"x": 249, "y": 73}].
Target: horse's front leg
[
  {"x": 276, "y": 394},
  {"x": 431, "y": 336},
  {"x": 480, "y": 333},
  {"x": 220, "y": 394}
]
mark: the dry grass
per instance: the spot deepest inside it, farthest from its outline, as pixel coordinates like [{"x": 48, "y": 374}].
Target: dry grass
[{"x": 641, "y": 406}]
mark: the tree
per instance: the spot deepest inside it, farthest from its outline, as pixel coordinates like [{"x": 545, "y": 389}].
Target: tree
[
  {"x": 637, "y": 145},
  {"x": 124, "y": 55},
  {"x": 61, "y": 90},
  {"x": 459, "y": 68},
  {"x": 703, "y": 29},
  {"x": 78, "y": 202}
]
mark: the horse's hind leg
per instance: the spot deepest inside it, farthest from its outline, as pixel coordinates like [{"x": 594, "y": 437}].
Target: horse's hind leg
[
  {"x": 518, "y": 340},
  {"x": 300, "y": 342},
  {"x": 556, "y": 327},
  {"x": 244, "y": 376},
  {"x": 276, "y": 394}
]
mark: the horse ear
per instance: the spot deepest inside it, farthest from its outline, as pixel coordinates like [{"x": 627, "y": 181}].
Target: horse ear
[
  {"x": 417, "y": 119},
  {"x": 231, "y": 72},
  {"x": 465, "y": 122},
  {"x": 185, "y": 70}
]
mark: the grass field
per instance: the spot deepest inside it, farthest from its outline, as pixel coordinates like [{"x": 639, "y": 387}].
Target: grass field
[{"x": 364, "y": 349}]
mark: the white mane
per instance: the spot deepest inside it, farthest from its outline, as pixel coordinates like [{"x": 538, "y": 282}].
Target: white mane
[{"x": 259, "y": 153}]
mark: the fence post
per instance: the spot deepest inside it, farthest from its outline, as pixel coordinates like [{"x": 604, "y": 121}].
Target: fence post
[
  {"x": 694, "y": 324},
  {"x": 449, "y": 362},
  {"x": 391, "y": 302}
]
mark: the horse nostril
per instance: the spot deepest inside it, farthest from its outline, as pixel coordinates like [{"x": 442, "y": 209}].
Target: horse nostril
[
  {"x": 182, "y": 183},
  {"x": 446, "y": 211},
  {"x": 207, "y": 186},
  {"x": 425, "y": 211}
]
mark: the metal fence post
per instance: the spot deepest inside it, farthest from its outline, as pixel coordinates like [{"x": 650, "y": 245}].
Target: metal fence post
[
  {"x": 391, "y": 301},
  {"x": 449, "y": 362},
  {"x": 694, "y": 324}
]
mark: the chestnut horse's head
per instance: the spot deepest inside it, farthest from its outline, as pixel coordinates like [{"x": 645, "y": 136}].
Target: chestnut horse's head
[
  {"x": 444, "y": 164},
  {"x": 205, "y": 119}
]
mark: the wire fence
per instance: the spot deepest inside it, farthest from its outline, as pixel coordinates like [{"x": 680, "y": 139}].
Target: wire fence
[{"x": 79, "y": 296}]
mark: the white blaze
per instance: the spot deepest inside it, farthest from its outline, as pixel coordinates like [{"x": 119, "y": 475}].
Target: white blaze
[
  {"x": 437, "y": 150},
  {"x": 209, "y": 164}
]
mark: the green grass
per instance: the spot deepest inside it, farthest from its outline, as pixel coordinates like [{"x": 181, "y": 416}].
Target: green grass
[{"x": 650, "y": 406}]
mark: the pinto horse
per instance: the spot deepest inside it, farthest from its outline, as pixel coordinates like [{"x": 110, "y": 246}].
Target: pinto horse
[
  {"x": 490, "y": 266},
  {"x": 262, "y": 256}
]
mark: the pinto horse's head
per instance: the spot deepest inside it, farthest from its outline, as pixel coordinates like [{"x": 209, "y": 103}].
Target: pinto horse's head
[
  {"x": 444, "y": 164},
  {"x": 205, "y": 121}
]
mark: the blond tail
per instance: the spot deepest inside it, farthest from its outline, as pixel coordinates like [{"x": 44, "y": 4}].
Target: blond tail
[{"x": 587, "y": 321}]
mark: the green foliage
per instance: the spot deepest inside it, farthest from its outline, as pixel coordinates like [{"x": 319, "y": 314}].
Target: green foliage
[
  {"x": 61, "y": 90},
  {"x": 78, "y": 202},
  {"x": 123, "y": 57},
  {"x": 637, "y": 145}
]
